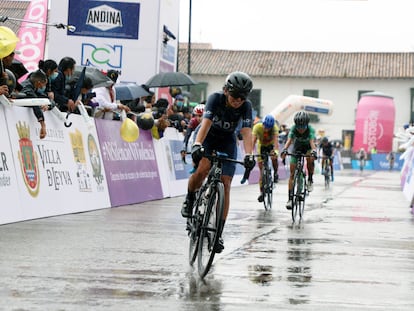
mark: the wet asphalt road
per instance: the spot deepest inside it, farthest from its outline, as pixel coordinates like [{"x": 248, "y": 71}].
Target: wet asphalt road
[{"x": 353, "y": 251}]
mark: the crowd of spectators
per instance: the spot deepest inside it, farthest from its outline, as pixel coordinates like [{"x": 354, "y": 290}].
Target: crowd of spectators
[{"x": 57, "y": 82}]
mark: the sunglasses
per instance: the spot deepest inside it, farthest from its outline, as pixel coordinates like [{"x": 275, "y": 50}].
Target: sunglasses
[
  {"x": 301, "y": 127},
  {"x": 236, "y": 95}
]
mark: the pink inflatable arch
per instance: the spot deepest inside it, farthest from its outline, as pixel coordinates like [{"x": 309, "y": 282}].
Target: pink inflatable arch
[{"x": 374, "y": 124}]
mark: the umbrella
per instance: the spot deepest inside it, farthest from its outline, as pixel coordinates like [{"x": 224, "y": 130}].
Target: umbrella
[
  {"x": 97, "y": 76},
  {"x": 164, "y": 79},
  {"x": 8, "y": 41},
  {"x": 130, "y": 91}
]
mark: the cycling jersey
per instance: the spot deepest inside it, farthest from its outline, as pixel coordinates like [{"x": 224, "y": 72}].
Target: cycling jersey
[
  {"x": 265, "y": 138},
  {"x": 302, "y": 141},
  {"x": 327, "y": 150},
  {"x": 225, "y": 118},
  {"x": 222, "y": 136}
]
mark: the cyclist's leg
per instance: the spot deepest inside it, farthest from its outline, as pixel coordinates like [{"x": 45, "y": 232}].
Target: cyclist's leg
[
  {"x": 310, "y": 164},
  {"x": 293, "y": 162},
  {"x": 227, "y": 175},
  {"x": 275, "y": 164},
  {"x": 332, "y": 170},
  {"x": 194, "y": 183},
  {"x": 260, "y": 163}
]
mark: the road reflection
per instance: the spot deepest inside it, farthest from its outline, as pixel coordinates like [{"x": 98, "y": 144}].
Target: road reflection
[{"x": 299, "y": 273}]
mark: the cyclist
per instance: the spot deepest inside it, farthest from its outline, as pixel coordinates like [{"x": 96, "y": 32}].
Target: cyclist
[
  {"x": 217, "y": 131},
  {"x": 303, "y": 136},
  {"x": 193, "y": 123},
  {"x": 327, "y": 153},
  {"x": 266, "y": 134},
  {"x": 362, "y": 157}
]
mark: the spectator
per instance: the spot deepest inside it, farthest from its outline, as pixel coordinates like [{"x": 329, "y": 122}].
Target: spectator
[
  {"x": 107, "y": 106},
  {"x": 34, "y": 87},
  {"x": 66, "y": 69},
  {"x": 50, "y": 68}
]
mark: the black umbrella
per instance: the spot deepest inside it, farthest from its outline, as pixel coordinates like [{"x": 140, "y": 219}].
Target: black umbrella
[
  {"x": 129, "y": 91},
  {"x": 164, "y": 79},
  {"x": 97, "y": 76}
]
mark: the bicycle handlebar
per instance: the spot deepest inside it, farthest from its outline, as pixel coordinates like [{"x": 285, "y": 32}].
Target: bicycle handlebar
[{"x": 299, "y": 154}]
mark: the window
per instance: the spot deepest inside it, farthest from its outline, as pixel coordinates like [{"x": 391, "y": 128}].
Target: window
[
  {"x": 362, "y": 92},
  {"x": 311, "y": 93},
  {"x": 314, "y": 118},
  {"x": 255, "y": 97}
]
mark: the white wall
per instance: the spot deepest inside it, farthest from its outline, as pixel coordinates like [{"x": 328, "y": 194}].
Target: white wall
[{"x": 342, "y": 92}]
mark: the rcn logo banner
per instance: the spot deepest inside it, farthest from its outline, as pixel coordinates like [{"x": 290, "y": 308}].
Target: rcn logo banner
[{"x": 104, "y": 19}]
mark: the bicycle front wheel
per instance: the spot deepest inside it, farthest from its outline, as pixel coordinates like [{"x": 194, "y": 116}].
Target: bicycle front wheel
[
  {"x": 211, "y": 228},
  {"x": 267, "y": 189},
  {"x": 302, "y": 197},
  {"x": 299, "y": 194}
]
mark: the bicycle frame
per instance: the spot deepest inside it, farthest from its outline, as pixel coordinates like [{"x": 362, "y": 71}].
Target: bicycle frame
[
  {"x": 327, "y": 170},
  {"x": 266, "y": 178},
  {"x": 299, "y": 186}
]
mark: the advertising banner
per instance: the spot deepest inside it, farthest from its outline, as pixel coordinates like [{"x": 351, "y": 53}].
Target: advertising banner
[
  {"x": 127, "y": 36},
  {"x": 62, "y": 173},
  {"x": 131, "y": 168},
  {"x": 10, "y": 208}
]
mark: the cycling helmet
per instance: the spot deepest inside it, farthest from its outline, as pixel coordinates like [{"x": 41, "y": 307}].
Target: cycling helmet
[
  {"x": 301, "y": 118},
  {"x": 238, "y": 84},
  {"x": 199, "y": 109},
  {"x": 324, "y": 140},
  {"x": 268, "y": 121}
]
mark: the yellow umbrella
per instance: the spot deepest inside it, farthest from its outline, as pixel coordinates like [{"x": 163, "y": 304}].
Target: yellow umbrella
[{"x": 8, "y": 41}]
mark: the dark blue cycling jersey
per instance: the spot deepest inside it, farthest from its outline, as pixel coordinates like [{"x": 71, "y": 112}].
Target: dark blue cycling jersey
[
  {"x": 222, "y": 134},
  {"x": 225, "y": 118},
  {"x": 327, "y": 150}
]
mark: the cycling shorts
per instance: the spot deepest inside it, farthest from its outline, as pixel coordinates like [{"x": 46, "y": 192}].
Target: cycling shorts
[
  {"x": 226, "y": 144},
  {"x": 306, "y": 149}
]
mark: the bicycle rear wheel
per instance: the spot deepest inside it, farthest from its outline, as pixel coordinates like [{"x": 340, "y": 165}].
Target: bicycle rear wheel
[
  {"x": 194, "y": 226},
  {"x": 211, "y": 228},
  {"x": 267, "y": 183}
]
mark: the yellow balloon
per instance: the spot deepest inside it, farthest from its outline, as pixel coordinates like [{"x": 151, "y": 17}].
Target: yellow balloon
[
  {"x": 129, "y": 130},
  {"x": 8, "y": 41}
]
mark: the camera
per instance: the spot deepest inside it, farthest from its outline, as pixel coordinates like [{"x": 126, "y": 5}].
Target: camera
[
  {"x": 158, "y": 112},
  {"x": 90, "y": 95}
]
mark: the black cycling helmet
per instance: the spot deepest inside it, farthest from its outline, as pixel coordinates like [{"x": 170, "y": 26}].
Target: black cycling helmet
[
  {"x": 324, "y": 140},
  {"x": 301, "y": 118},
  {"x": 239, "y": 84}
]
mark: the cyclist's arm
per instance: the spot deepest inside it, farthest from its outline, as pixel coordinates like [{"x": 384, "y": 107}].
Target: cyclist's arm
[
  {"x": 246, "y": 132},
  {"x": 202, "y": 132},
  {"x": 312, "y": 144},
  {"x": 288, "y": 143},
  {"x": 276, "y": 141},
  {"x": 254, "y": 139}
]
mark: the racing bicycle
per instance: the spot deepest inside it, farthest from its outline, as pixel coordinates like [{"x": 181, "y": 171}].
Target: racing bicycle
[
  {"x": 326, "y": 164},
  {"x": 267, "y": 180},
  {"x": 206, "y": 223},
  {"x": 300, "y": 189}
]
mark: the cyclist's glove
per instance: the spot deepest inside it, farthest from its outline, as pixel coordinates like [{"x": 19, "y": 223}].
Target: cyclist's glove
[
  {"x": 314, "y": 154},
  {"x": 284, "y": 152},
  {"x": 197, "y": 152},
  {"x": 249, "y": 161}
]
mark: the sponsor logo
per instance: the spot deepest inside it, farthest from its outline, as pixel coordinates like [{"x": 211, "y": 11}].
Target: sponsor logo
[
  {"x": 28, "y": 160},
  {"x": 373, "y": 130},
  {"x": 104, "y": 18},
  {"x": 95, "y": 159},
  {"x": 102, "y": 55},
  {"x": 84, "y": 180}
]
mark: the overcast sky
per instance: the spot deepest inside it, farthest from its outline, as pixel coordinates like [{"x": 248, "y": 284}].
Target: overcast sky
[{"x": 301, "y": 25}]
